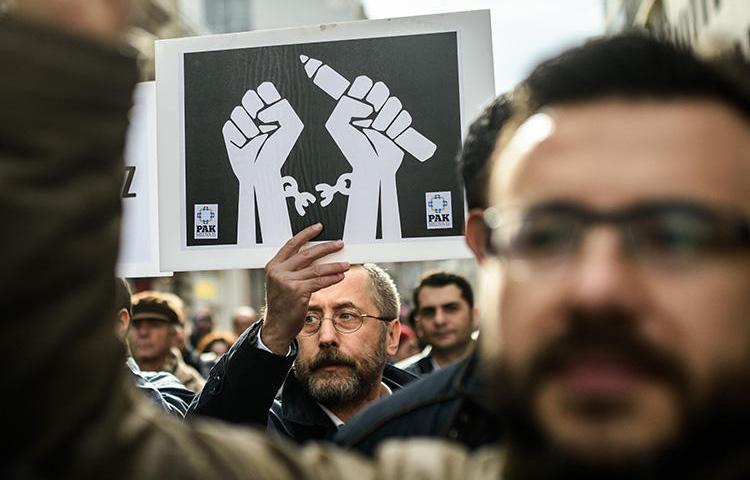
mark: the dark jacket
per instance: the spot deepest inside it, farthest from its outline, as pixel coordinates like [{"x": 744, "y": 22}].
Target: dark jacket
[
  {"x": 243, "y": 385},
  {"x": 448, "y": 403},
  {"x": 163, "y": 388},
  {"x": 420, "y": 367}
]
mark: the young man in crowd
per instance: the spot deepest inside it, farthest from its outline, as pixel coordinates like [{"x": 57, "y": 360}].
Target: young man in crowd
[{"x": 446, "y": 318}]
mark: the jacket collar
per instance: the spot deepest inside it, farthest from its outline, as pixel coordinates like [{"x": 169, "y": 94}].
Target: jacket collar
[
  {"x": 299, "y": 407},
  {"x": 469, "y": 381}
]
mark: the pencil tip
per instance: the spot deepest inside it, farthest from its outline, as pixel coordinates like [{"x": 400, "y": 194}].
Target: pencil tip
[{"x": 304, "y": 58}]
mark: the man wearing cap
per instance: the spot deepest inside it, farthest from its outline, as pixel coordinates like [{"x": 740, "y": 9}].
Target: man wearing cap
[
  {"x": 162, "y": 387},
  {"x": 155, "y": 334}
]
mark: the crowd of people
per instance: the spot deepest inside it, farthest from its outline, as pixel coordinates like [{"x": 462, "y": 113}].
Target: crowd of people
[{"x": 609, "y": 215}]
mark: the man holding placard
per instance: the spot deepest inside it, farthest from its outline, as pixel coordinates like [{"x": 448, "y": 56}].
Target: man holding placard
[{"x": 335, "y": 324}]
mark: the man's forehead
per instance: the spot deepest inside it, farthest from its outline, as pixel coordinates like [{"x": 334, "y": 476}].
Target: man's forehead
[
  {"x": 609, "y": 150},
  {"x": 434, "y": 295},
  {"x": 354, "y": 290}
]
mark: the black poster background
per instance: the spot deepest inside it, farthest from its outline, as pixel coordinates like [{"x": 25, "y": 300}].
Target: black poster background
[{"x": 421, "y": 70}]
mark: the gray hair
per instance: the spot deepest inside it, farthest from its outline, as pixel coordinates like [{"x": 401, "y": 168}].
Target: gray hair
[{"x": 384, "y": 291}]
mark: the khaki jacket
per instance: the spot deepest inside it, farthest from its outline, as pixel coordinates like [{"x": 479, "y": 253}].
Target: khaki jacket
[{"x": 186, "y": 374}]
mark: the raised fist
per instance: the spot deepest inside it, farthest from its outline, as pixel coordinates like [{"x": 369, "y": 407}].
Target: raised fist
[
  {"x": 364, "y": 125},
  {"x": 261, "y": 133},
  {"x": 258, "y": 137}
]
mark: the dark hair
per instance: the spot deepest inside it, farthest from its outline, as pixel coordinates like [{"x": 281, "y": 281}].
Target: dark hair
[
  {"x": 122, "y": 295},
  {"x": 442, "y": 279},
  {"x": 632, "y": 66},
  {"x": 477, "y": 148}
]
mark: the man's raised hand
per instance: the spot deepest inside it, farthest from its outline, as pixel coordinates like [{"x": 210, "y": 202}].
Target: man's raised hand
[{"x": 291, "y": 279}]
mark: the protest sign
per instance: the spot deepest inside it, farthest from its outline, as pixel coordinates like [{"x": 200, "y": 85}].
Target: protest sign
[
  {"x": 355, "y": 125},
  {"x": 139, "y": 234}
]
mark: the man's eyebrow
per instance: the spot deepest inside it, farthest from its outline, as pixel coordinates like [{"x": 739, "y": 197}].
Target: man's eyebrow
[
  {"x": 336, "y": 306},
  {"x": 344, "y": 304}
]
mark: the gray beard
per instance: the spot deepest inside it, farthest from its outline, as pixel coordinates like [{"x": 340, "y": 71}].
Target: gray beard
[{"x": 345, "y": 388}]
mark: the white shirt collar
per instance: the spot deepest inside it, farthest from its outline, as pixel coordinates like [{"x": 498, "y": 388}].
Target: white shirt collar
[
  {"x": 435, "y": 365},
  {"x": 384, "y": 392}
]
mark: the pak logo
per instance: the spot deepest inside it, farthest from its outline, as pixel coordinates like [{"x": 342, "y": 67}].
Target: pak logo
[
  {"x": 206, "y": 221},
  {"x": 439, "y": 210}
]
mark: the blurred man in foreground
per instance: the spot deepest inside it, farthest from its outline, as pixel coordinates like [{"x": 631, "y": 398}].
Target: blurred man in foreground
[{"x": 618, "y": 272}]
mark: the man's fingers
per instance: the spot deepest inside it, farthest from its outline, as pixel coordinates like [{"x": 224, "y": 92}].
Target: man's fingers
[
  {"x": 307, "y": 256},
  {"x": 320, "y": 283},
  {"x": 321, "y": 270},
  {"x": 293, "y": 245}
]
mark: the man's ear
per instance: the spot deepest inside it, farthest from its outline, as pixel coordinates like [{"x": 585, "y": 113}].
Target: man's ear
[
  {"x": 476, "y": 234},
  {"x": 392, "y": 337},
  {"x": 123, "y": 323}
]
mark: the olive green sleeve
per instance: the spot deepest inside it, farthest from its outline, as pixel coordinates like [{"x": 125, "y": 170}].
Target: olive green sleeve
[{"x": 63, "y": 116}]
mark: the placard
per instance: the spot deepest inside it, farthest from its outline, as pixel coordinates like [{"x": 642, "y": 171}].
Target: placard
[
  {"x": 355, "y": 125},
  {"x": 139, "y": 234}
]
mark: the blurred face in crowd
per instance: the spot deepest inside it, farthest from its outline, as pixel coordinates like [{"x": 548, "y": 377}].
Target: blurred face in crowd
[
  {"x": 620, "y": 287},
  {"x": 407, "y": 347},
  {"x": 150, "y": 340},
  {"x": 203, "y": 323},
  {"x": 445, "y": 319},
  {"x": 219, "y": 347},
  {"x": 242, "y": 319},
  {"x": 343, "y": 369}
]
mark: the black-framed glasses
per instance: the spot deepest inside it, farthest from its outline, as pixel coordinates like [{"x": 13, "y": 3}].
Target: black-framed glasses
[
  {"x": 344, "y": 321},
  {"x": 661, "y": 230}
]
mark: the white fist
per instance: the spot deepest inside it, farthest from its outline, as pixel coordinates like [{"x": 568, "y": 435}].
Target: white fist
[{"x": 261, "y": 133}]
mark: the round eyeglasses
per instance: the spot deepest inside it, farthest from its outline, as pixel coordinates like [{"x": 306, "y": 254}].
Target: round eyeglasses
[{"x": 345, "y": 321}]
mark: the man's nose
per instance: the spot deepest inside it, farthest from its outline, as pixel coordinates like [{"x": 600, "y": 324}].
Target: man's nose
[
  {"x": 603, "y": 273},
  {"x": 327, "y": 335},
  {"x": 141, "y": 328},
  {"x": 440, "y": 317}
]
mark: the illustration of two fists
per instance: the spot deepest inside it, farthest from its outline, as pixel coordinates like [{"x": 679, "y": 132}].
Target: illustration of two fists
[{"x": 369, "y": 126}]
